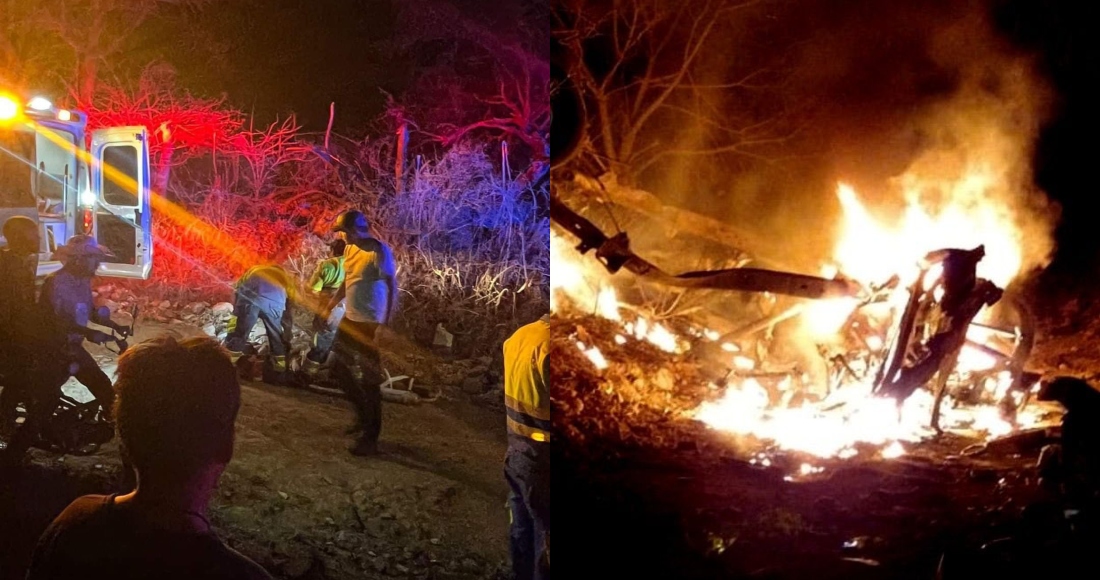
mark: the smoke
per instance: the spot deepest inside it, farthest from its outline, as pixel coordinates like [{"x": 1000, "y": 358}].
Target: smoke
[
  {"x": 918, "y": 102},
  {"x": 979, "y": 142},
  {"x": 956, "y": 133}
]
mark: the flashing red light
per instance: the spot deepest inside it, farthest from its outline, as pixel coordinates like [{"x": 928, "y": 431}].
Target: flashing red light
[{"x": 86, "y": 221}]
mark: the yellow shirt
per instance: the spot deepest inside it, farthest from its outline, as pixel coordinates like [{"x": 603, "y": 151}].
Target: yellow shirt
[
  {"x": 367, "y": 267},
  {"x": 527, "y": 381}
]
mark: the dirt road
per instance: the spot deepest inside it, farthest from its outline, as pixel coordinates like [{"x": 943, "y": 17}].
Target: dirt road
[{"x": 430, "y": 506}]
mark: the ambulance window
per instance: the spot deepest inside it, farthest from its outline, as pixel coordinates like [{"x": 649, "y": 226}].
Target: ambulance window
[
  {"x": 56, "y": 156},
  {"x": 120, "y": 173},
  {"x": 17, "y": 163}
]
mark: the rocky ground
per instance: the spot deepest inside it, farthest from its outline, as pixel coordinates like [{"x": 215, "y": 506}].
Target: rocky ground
[{"x": 430, "y": 506}]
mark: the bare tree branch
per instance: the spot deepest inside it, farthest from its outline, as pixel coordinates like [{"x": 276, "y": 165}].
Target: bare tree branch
[
  {"x": 95, "y": 31},
  {"x": 646, "y": 65}
]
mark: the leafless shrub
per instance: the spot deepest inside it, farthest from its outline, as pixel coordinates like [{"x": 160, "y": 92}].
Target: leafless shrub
[{"x": 471, "y": 241}]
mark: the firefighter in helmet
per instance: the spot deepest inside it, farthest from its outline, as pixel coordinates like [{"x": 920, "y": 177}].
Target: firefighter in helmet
[{"x": 263, "y": 293}]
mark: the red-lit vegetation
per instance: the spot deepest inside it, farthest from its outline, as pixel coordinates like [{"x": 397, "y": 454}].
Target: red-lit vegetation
[{"x": 471, "y": 238}]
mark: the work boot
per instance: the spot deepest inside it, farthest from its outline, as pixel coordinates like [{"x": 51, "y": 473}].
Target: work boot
[
  {"x": 274, "y": 371},
  {"x": 364, "y": 448}
]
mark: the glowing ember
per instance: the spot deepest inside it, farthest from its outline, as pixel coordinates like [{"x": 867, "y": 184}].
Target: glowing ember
[
  {"x": 607, "y": 304},
  {"x": 821, "y": 429},
  {"x": 655, "y": 334},
  {"x": 893, "y": 451},
  {"x": 743, "y": 363},
  {"x": 593, "y": 355}
]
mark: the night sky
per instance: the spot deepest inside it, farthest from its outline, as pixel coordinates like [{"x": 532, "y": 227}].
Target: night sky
[
  {"x": 275, "y": 57},
  {"x": 1064, "y": 33}
]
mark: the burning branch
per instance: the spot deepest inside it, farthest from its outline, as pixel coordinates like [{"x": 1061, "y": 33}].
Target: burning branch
[{"x": 615, "y": 254}]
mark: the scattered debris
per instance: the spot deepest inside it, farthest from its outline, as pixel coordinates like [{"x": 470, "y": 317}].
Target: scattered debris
[{"x": 442, "y": 337}]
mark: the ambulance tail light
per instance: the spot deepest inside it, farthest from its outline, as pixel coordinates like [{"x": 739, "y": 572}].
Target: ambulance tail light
[{"x": 86, "y": 220}]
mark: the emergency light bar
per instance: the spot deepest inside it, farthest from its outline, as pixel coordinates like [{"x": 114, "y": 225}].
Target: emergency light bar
[
  {"x": 9, "y": 108},
  {"x": 12, "y": 109},
  {"x": 40, "y": 104}
]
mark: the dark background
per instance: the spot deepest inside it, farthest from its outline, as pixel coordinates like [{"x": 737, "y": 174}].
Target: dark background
[
  {"x": 1065, "y": 34},
  {"x": 272, "y": 58}
]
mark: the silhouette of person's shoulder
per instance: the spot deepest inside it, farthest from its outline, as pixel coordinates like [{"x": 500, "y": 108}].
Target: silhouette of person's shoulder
[{"x": 93, "y": 537}]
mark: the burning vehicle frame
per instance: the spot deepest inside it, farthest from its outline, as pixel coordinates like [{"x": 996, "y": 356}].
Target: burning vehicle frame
[{"x": 937, "y": 321}]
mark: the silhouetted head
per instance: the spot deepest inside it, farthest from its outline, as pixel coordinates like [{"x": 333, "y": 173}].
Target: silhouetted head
[
  {"x": 21, "y": 234},
  {"x": 176, "y": 407},
  {"x": 82, "y": 255},
  {"x": 353, "y": 225}
]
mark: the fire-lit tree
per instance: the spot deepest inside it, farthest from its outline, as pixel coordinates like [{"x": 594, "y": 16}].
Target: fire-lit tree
[
  {"x": 26, "y": 57},
  {"x": 94, "y": 31},
  {"x": 183, "y": 127},
  {"x": 647, "y": 69}
]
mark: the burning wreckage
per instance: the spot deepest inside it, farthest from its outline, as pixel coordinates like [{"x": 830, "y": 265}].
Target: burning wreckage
[{"x": 934, "y": 347}]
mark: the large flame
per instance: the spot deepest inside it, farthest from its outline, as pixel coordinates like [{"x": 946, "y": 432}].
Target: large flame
[{"x": 870, "y": 251}]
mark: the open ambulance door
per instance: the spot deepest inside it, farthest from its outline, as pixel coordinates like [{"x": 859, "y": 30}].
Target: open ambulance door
[{"x": 118, "y": 207}]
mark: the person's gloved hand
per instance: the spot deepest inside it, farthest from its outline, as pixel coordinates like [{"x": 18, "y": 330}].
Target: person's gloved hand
[{"x": 99, "y": 337}]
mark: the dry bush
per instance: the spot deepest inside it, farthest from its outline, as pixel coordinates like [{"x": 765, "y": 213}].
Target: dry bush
[
  {"x": 472, "y": 248},
  {"x": 472, "y": 245}
]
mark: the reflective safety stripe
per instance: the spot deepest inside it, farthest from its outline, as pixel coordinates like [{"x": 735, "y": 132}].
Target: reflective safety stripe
[
  {"x": 543, "y": 425},
  {"x": 235, "y": 356},
  {"x": 279, "y": 362},
  {"x": 231, "y": 325},
  {"x": 517, "y": 428},
  {"x": 527, "y": 409},
  {"x": 311, "y": 367}
]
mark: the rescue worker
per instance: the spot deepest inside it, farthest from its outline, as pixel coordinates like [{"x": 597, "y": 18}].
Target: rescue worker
[
  {"x": 527, "y": 462},
  {"x": 64, "y": 309},
  {"x": 18, "y": 266},
  {"x": 265, "y": 293},
  {"x": 325, "y": 283},
  {"x": 370, "y": 286}
]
